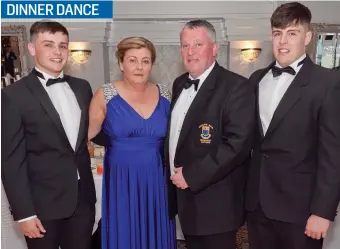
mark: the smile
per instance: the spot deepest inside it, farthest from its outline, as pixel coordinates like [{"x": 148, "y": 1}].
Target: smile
[{"x": 57, "y": 60}]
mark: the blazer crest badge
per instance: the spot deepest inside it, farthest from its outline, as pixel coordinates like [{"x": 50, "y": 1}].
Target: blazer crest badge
[{"x": 205, "y": 133}]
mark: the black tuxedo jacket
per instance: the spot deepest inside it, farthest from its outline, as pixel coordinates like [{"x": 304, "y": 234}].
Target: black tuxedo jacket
[
  {"x": 39, "y": 166},
  {"x": 213, "y": 147},
  {"x": 295, "y": 167}
]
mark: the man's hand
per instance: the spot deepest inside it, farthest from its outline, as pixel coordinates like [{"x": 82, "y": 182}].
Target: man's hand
[
  {"x": 32, "y": 228},
  {"x": 317, "y": 227},
  {"x": 178, "y": 179}
]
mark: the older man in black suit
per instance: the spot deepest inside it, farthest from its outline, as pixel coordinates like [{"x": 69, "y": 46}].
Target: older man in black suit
[{"x": 209, "y": 143}]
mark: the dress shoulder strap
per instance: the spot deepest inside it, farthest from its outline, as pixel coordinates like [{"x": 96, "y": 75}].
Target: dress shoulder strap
[
  {"x": 109, "y": 91},
  {"x": 164, "y": 91}
]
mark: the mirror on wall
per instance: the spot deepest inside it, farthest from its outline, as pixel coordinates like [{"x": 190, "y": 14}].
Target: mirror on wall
[
  {"x": 13, "y": 53},
  {"x": 325, "y": 47},
  {"x": 10, "y": 56}
]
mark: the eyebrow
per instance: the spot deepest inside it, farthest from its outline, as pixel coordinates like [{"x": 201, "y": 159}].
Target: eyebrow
[
  {"x": 195, "y": 41},
  {"x": 146, "y": 57},
  {"x": 289, "y": 30},
  {"x": 53, "y": 42}
]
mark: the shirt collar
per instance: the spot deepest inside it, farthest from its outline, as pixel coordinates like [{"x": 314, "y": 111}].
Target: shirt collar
[
  {"x": 294, "y": 65},
  {"x": 48, "y": 76},
  {"x": 204, "y": 75}
]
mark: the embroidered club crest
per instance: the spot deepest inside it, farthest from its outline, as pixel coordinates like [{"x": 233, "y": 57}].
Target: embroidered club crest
[{"x": 205, "y": 133}]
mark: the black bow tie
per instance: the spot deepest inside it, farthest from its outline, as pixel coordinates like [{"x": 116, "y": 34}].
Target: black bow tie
[
  {"x": 50, "y": 81},
  {"x": 277, "y": 71},
  {"x": 189, "y": 83}
]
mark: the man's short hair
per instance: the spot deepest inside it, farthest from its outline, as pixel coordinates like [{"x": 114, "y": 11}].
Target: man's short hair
[
  {"x": 202, "y": 24},
  {"x": 293, "y": 13},
  {"x": 47, "y": 26}
]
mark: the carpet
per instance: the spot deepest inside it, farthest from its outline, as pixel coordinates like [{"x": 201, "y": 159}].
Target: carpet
[{"x": 241, "y": 240}]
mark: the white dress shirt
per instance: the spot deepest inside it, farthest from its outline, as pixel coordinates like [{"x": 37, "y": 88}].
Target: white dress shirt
[
  {"x": 271, "y": 91},
  {"x": 66, "y": 104},
  {"x": 179, "y": 112}
]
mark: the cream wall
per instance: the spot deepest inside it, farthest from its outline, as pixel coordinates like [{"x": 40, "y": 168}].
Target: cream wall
[
  {"x": 160, "y": 21},
  {"x": 94, "y": 70},
  {"x": 237, "y": 65}
]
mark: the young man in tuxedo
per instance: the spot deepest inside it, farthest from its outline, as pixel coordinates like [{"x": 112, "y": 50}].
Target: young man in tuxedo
[
  {"x": 45, "y": 162},
  {"x": 293, "y": 185},
  {"x": 209, "y": 143}
]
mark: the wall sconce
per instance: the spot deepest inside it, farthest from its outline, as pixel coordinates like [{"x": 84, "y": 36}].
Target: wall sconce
[
  {"x": 80, "y": 56},
  {"x": 250, "y": 54}
]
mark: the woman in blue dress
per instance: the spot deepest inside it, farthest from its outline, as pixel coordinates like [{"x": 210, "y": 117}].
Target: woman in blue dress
[{"x": 134, "y": 114}]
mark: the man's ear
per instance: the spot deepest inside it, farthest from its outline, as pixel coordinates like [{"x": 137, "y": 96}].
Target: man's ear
[
  {"x": 31, "y": 48},
  {"x": 308, "y": 37},
  {"x": 216, "y": 47}
]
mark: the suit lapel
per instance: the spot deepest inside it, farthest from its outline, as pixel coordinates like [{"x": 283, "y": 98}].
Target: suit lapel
[
  {"x": 199, "y": 101},
  {"x": 39, "y": 92},
  {"x": 291, "y": 97},
  {"x": 258, "y": 80},
  {"x": 175, "y": 94},
  {"x": 81, "y": 102},
  {"x": 178, "y": 91}
]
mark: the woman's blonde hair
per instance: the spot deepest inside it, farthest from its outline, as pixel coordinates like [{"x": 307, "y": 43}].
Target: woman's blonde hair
[{"x": 137, "y": 43}]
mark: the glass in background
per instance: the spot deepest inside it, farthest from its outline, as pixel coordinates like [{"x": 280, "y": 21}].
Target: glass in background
[{"x": 328, "y": 50}]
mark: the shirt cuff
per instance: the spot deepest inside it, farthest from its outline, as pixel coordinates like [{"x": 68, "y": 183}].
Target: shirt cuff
[{"x": 28, "y": 218}]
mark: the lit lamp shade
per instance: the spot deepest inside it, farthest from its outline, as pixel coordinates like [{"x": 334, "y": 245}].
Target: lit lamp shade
[
  {"x": 250, "y": 54},
  {"x": 80, "y": 56}
]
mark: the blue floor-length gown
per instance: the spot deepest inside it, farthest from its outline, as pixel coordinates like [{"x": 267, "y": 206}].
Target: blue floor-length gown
[{"x": 134, "y": 202}]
